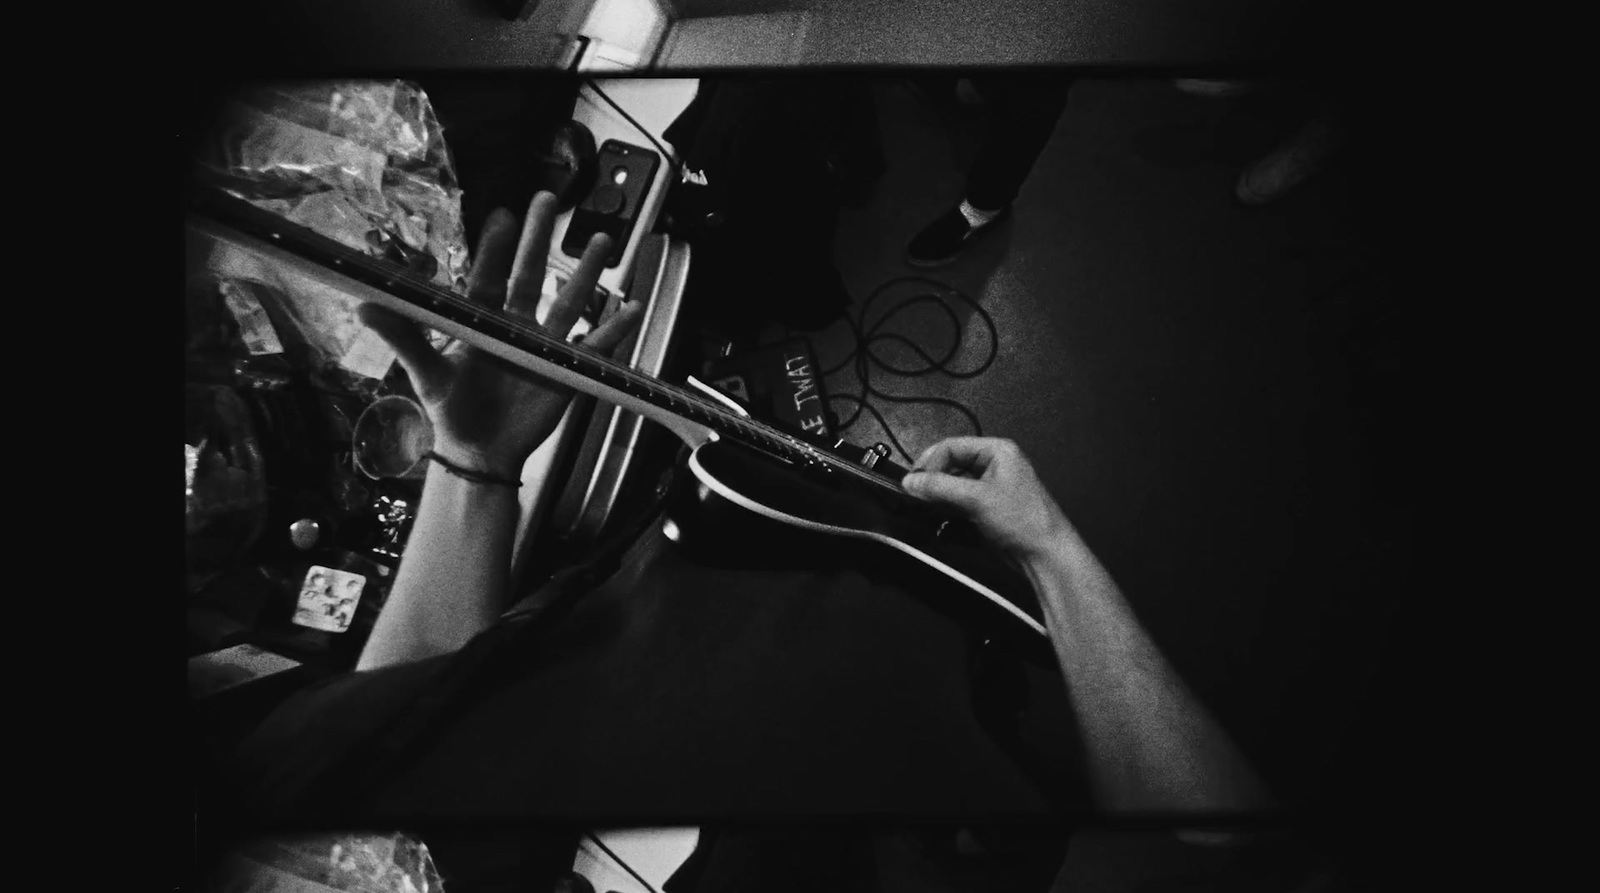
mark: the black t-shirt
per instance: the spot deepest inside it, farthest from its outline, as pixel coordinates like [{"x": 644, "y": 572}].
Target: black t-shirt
[{"x": 677, "y": 689}]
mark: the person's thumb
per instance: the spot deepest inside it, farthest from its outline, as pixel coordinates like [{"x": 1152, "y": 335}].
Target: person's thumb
[{"x": 933, "y": 486}]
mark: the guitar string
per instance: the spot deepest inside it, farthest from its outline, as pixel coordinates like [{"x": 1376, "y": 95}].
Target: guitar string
[
  {"x": 678, "y": 400},
  {"x": 773, "y": 437},
  {"x": 368, "y": 268},
  {"x": 567, "y": 355},
  {"x": 682, "y": 401}
]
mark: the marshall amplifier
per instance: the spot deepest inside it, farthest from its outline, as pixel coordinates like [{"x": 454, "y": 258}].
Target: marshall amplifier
[{"x": 780, "y": 385}]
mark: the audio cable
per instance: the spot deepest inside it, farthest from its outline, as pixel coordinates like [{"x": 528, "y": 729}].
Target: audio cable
[{"x": 866, "y": 355}]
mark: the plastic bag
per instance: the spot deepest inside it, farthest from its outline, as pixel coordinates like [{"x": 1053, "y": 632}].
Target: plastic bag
[
  {"x": 358, "y": 161},
  {"x": 348, "y": 863},
  {"x": 361, "y": 162}
]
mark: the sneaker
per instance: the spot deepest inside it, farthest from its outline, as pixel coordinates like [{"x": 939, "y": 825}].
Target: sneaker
[
  {"x": 946, "y": 237},
  {"x": 1288, "y": 166}
]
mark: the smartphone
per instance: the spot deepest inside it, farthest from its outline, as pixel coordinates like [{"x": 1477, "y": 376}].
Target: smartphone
[{"x": 623, "y": 176}]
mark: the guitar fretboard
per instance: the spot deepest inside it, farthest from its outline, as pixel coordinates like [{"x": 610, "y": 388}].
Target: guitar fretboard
[{"x": 238, "y": 214}]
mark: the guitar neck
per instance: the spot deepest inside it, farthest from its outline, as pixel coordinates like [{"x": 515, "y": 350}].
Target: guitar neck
[{"x": 693, "y": 418}]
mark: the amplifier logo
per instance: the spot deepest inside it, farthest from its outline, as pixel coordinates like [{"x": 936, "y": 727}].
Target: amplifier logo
[{"x": 805, "y": 389}]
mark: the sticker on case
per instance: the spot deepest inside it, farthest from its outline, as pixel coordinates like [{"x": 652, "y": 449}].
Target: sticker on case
[{"x": 328, "y": 599}]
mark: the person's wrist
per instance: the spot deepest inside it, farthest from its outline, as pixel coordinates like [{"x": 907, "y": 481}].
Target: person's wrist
[
  {"x": 1055, "y": 539},
  {"x": 478, "y": 461}
]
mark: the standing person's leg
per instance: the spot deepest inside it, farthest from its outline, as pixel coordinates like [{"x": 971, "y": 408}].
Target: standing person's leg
[{"x": 1028, "y": 107}]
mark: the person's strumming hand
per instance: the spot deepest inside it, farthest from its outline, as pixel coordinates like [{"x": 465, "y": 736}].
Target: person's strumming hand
[
  {"x": 487, "y": 414},
  {"x": 990, "y": 481},
  {"x": 1151, "y": 746}
]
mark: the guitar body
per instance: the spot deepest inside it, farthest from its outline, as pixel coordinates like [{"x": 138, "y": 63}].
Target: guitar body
[{"x": 943, "y": 555}]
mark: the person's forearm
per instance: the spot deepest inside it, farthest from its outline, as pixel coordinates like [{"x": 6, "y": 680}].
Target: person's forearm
[
  {"x": 454, "y": 580},
  {"x": 1151, "y": 746}
]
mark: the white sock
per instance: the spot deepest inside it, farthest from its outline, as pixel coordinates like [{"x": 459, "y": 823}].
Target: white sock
[{"x": 975, "y": 217}]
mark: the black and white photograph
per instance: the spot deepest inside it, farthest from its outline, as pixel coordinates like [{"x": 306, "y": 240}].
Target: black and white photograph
[{"x": 699, "y": 446}]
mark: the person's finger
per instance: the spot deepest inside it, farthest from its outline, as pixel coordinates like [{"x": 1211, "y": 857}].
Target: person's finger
[
  {"x": 610, "y": 333},
  {"x": 425, "y": 366},
  {"x": 959, "y": 453},
  {"x": 533, "y": 256},
  {"x": 569, "y": 304},
  {"x": 491, "y": 266},
  {"x": 933, "y": 486}
]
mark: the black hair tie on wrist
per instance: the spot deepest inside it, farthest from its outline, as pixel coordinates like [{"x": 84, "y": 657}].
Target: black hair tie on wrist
[{"x": 477, "y": 477}]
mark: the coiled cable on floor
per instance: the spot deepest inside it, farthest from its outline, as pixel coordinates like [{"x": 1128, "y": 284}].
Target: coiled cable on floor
[{"x": 866, "y": 356}]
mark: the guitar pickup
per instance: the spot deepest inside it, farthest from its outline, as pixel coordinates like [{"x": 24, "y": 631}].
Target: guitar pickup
[
  {"x": 877, "y": 459},
  {"x": 871, "y": 456}
]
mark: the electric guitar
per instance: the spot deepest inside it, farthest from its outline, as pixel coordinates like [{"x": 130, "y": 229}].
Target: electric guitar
[{"x": 747, "y": 463}]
